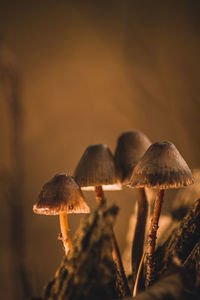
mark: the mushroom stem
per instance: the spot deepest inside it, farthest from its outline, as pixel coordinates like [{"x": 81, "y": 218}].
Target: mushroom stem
[
  {"x": 115, "y": 251},
  {"x": 65, "y": 231},
  {"x": 139, "y": 235},
  {"x": 152, "y": 236},
  {"x": 99, "y": 194}
]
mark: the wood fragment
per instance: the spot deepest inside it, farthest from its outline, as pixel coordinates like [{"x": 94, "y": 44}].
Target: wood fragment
[
  {"x": 192, "y": 264},
  {"x": 88, "y": 271},
  {"x": 181, "y": 242},
  {"x": 174, "y": 286}
]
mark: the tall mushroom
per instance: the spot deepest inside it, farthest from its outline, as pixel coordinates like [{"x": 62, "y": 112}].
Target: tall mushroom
[
  {"x": 97, "y": 171},
  {"x": 131, "y": 146},
  {"x": 162, "y": 167},
  {"x": 61, "y": 196}
]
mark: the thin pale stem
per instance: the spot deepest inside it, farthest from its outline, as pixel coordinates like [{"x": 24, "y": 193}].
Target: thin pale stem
[
  {"x": 115, "y": 252},
  {"x": 152, "y": 236},
  {"x": 138, "y": 275},
  {"x": 139, "y": 234},
  {"x": 65, "y": 232}
]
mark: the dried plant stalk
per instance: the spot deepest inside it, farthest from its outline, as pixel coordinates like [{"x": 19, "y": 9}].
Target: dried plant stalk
[{"x": 12, "y": 86}]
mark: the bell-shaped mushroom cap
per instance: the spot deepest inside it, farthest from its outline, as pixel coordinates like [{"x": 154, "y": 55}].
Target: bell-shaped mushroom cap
[
  {"x": 162, "y": 167},
  {"x": 97, "y": 167},
  {"x": 131, "y": 146},
  {"x": 60, "y": 194}
]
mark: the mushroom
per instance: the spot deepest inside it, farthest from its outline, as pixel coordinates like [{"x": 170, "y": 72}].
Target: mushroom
[
  {"x": 61, "y": 196},
  {"x": 96, "y": 171},
  {"x": 131, "y": 146},
  {"x": 162, "y": 167}
]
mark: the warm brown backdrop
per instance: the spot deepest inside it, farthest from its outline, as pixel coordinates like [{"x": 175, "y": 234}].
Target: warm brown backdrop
[{"x": 91, "y": 70}]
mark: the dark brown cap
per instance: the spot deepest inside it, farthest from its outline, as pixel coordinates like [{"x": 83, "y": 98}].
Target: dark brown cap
[
  {"x": 97, "y": 167},
  {"x": 131, "y": 146},
  {"x": 162, "y": 167},
  {"x": 60, "y": 194}
]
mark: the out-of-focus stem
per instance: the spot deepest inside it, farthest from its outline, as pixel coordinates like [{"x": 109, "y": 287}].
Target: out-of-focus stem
[{"x": 139, "y": 235}]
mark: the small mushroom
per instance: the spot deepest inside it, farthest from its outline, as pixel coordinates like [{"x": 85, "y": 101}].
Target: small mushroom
[
  {"x": 131, "y": 146},
  {"x": 61, "y": 196},
  {"x": 97, "y": 171},
  {"x": 162, "y": 167}
]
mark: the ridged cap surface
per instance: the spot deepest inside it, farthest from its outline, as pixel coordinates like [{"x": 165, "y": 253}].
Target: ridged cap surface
[
  {"x": 97, "y": 168},
  {"x": 131, "y": 146},
  {"x": 162, "y": 166},
  {"x": 59, "y": 194}
]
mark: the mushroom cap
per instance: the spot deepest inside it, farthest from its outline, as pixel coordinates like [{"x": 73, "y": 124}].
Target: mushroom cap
[
  {"x": 131, "y": 146},
  {"x": 163, "y": 167},
  {"x": 60, "y": 194},
  {"x": 97, "y": 168}
]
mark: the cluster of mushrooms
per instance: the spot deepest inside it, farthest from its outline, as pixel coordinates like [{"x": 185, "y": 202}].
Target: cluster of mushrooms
[{"x": 137, "y": 164}]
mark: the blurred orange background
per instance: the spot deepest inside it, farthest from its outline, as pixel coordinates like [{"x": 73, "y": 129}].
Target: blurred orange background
[{"x": 91, "y": 70}]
